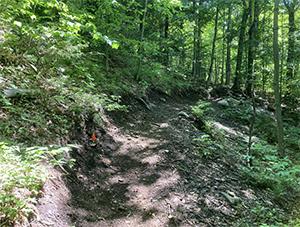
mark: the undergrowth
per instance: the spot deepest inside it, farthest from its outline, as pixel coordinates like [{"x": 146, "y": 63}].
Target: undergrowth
[
  {"x": 267, "y": 170},
  {"x": 22, "y": 176}
]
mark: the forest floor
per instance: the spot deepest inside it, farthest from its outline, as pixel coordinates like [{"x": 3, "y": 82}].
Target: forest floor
[{"x": 145, "y": 170}]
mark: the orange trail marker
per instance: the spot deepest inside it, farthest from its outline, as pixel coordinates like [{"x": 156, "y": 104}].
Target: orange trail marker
[{"x": 93, "y": 137}]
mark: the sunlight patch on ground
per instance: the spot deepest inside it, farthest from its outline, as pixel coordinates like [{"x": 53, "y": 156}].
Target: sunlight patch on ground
[
  {"x": 152, "y": 159},
  {"x": 138, "y": 144},
  {"x": 249, "y": 194},
  {"x": 145, "y": 195},
  {"x": 228, "y": 130},
  {"x": 164, "y": 125},
  {"x": 212, "y": 202}
]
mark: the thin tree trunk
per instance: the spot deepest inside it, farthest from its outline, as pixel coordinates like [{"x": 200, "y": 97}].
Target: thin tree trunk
[
  {"x": 194, "y": 71},
  {"x": 166, "y": 36},
  {"x": 223, "y": 51},
  {"x": 199, "y": 38},
  {"x": 216, "y": 72},
  {"x": 282, "y": 53},
  {"x": 140, "y": 51},
  {"x": 291, "y": 44},
  {"x": 276, "y": 80},
  {"x": 254, "y": 14},
  {"x": 213, "y": 49},
  {"x": 252, "y": 124},
  {"x": 228, "y": 46},
  {"x": 291, "y": 72},
  {"x": 264, "y": 76},
  {"x": 239, "y": 59}
]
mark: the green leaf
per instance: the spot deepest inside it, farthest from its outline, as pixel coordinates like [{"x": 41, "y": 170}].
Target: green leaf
[
  {"x": 18, "y": 24},
  {"x": 97, "y": 36},
  {"x": 115, "y": 45},
  {"x": 33, "y": 17}
]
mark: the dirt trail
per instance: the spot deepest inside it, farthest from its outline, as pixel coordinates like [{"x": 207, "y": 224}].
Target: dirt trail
[{"x": 144, "y": 172}]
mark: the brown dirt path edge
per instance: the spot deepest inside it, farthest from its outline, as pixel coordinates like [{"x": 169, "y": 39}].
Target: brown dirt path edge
[{"x": 143, "y": 172}]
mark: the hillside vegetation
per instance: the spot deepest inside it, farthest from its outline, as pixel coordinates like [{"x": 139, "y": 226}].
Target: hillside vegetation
[{"x": 222, "y": 76}]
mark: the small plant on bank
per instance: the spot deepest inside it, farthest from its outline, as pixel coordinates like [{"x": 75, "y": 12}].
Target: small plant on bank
[
  {"x": 268, "y": 170},
  {"x": 22, "y": 177},
  {"x": 201, "y": 109}
]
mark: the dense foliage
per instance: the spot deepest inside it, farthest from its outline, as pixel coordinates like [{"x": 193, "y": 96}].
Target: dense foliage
[{"x": 63, "y": 62}]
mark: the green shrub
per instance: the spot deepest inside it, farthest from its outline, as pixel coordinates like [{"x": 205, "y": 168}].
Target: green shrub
[
  {"x": 21, "y": 181},
  {"x": 22, "y": 177},
  {"x": 292, "y": 138},
  {"x": 208, "y": 146},
  {"x": 270, "y": 171},
  {"x": 262, "y": 216},
  {"x": 201, "y": 109},
  {"x": 211, "y": 144},
  {"x": 241, "y": 113},
  {"x": 265, "y": 127}
]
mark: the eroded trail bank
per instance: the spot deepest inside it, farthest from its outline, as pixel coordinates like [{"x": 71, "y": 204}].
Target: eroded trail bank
[{"x": 145, "y": 170}]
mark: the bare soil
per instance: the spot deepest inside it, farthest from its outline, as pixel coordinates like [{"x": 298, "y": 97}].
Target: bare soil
[{"x": 145, "y": 170}]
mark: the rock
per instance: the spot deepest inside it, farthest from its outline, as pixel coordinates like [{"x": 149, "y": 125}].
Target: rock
[
  {"x": 231, "y": 197},
  {"x": 183, "y": 114},
  {"x": 198, "y": 123},
  {"x": 14, "y": 92},
  {"x": 233, "y": 102},
  {"x": 229, "y": 102},
  {"x": 223, "y": 102},
  {"x": 163, "y": 99}
]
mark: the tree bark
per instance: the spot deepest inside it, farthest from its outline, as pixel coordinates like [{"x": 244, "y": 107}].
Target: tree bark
[
  {"x": 142, "y": 31},
  {"x": 223, "y": 49},
  {"x": 196, "y": 69},
  {"x": 254, "y": 14},
  {"x": 277, "y": 81},
  {"x": 228, "y": 46},
  {"x": 263, "y": 56},
  {"x": 194, "y": 40},
  {"x": 166, "y": 36},
  {"x": 291, "y": 41},
  {"x": 237, "y": 79},
  {"x": 213, "y": 49}
]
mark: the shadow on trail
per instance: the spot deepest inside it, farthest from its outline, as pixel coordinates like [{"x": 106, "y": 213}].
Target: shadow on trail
[
  {"x": 144, "y": 172},
  {"x": 127, "y": 179}
]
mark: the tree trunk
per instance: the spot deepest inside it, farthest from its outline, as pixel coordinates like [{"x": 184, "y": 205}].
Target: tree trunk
[
  {"x": 263, "y": 56},
  {"x": 198, "y": 54},
  {"x": 282, "y": 50},
  {"x": 291, "y": 45},
  {"x": 166, "y": 36},
  {"x": 216, "y": 72},
  {"x": 213, "y": 49},
  {"x": 142, "y": 31},
  {"x": 239, "y": 59},
  {"x": 194, "y": 41},
  {"x": 196, "y": 69},
  {"x": 223, "y": 50},
  {"x": 291, "y": 61},
  {"x": 277, "y": 80},
  {"x": 228, "y": 46},
  {"x": 254, "y": 14}
]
